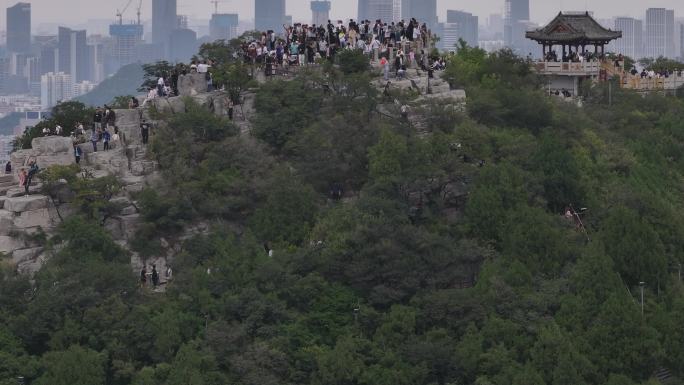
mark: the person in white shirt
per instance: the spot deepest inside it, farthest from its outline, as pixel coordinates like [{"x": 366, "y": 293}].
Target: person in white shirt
[
  {"x": 160, "y": 86},
  {"x": 203, "y": 67}
]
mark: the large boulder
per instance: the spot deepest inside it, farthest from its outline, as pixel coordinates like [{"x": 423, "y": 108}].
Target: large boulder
[
  {"x": 21, "y": 158},
  {"x": 192, "y": 84},
  {"x": 23, "y": 256},
  {"x": 129, "y": 118},
  {"x": 52, "y": 145},
  {"x": 34, "y": 218},
  {"x": 58, "y": 159},
  {"x": 8, "y": 244},
  {"x": 6, "y": 222},
  {"x": 174, "y": 105},
  {"x": 21, "y": 204}
]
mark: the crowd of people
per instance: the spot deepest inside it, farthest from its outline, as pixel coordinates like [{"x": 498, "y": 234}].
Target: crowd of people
[
  {"x": 576, "y": 57},
  {"x": 405, "y": 44},
  {"x": 152, "y": 276},
  {"x": 167, "y": 84},
  {"x": 651, "y": 74}
]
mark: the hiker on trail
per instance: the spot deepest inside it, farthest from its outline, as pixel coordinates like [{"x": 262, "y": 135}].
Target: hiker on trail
[
  {"x": 77, "y": 153},
  {"x": 169, "y": 273},
  {"x": 110, "y": 119},
  {"x": 155, "y": 276},
  {"x": 22, "y": 177},
  {"x": 94, "y": 138},
  {"x": 115, "y": 138},
  {"x": 229, "y": 107},
  {"x": 144, "y": 131},
  {"x": 97, "y": 118},
  {"x": 160, "y": 86},
  {"x": 33, "y": 170},
  {"x": 106, "y": 137},
  {"x": 384, "y": 63},
  {"x": 8, "y": 167},
  {"x": 143, "y": 277}
]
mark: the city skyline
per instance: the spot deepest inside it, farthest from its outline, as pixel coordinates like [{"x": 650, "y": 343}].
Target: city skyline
[{"x": 541, "y": 11}]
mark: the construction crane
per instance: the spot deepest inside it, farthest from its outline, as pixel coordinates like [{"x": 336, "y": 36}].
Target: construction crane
[
  {"x": 216, "y": 4},
  {"x": 139, "y": 8},
  {"x": 119, "y": 14}
]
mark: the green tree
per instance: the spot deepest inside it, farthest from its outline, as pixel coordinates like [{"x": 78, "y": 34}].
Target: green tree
[{"x": 74, "y": 366}]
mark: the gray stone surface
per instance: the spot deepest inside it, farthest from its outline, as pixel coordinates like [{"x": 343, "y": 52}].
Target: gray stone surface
[
  {"x": 22, "y": 256},
  {"x": 49, "y": 145},
  {"x": 6, "y": 222},
  {"x": 192, "y": 84},
  {"x": 9, "y": 243},
  {"x": 34, "y": 218},
  {"x": 21, "y": 204}
]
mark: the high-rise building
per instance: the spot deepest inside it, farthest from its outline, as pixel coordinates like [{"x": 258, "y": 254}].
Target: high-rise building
[
  {"x": 164, "y": 21},
  {"x": 495, "y": 26},
  {"x": 223, "y": 26},
  {"x": 73, "y": 53},
  {"x": 681, "y": 41},
  {"x": 467, "y": 25},
  {"x": 632, "y": 43},
  {"x": 54, "y": 88},
  {"x": 269, "y": 15},
  {"x": 378, "y": 9},
  {"x": 425, "y": 11},
  {"x": 320, "y": 12},
  {"x": 126, "y": 38},
  {"x": 19, "y": 28},
  {"x": 183, "y": 44},
  {"x": 659, "y": 33},
  {"x": 517, "y": 11}
]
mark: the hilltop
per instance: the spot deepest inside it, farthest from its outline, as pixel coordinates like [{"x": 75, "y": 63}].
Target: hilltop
[{"x": 338, "y": 231}]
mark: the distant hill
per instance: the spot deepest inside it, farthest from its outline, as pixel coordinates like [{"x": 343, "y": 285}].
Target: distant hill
[
  {"x": 8, "y": 123},
  {"x": 125, "y": 82}
]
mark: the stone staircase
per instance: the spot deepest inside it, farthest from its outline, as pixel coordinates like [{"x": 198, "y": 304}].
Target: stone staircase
[{"x": 7, "y": 182}]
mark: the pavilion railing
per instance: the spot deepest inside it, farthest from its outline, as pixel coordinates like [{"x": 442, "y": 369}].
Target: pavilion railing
[{"x": 588, "y": 68}]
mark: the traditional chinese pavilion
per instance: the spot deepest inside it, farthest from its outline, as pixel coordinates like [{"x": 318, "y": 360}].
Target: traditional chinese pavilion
[{"x": 576, "y": 31}]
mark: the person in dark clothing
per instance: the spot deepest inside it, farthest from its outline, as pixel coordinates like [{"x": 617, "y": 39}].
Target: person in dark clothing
[
  {"x": 155, "y": 276},
  {"x": 77, "y": 153},
  {"x": 97, "y": 118},
  {"x": 8, "y": 168},
  {"x": 145, "y": 131},
  {"x": 106, "y": 137},
  {"x": 143, "y": 277},
  {"x": 33, "y": 170}
]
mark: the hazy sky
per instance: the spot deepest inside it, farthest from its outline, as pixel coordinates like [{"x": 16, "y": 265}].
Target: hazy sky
[{"x": 78, "y": 11}]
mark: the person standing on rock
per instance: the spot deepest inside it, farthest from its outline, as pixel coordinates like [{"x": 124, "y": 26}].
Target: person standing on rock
[
  {"x": 145, "y": 131},
  {"x": 160, "y": 86},
  {"x": 106, "y": 137},
  {"x": 97, "y": 118},
  {"x": 8, "y": 167},
  {"x": 33, "y": 170},
  {"x": 77, "y": 153},
  {"x": 94, "y": 138},
  {"x": 155, "y": 276},
  {"x": 22, "y": 178},
  {"x": 143, "y": 277}
]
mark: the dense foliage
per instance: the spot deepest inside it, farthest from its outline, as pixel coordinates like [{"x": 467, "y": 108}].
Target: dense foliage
[{"x": 448, "y": 259}]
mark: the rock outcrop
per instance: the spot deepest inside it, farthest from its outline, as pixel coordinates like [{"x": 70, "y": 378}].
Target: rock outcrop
[{"x": 192, "y": 84}]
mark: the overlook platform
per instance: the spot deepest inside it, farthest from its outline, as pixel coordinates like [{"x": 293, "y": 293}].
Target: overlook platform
[{"x": 587, "y": 69}]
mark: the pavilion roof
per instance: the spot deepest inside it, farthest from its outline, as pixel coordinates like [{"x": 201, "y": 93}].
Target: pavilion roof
[{"x": 573, "y": 28}]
